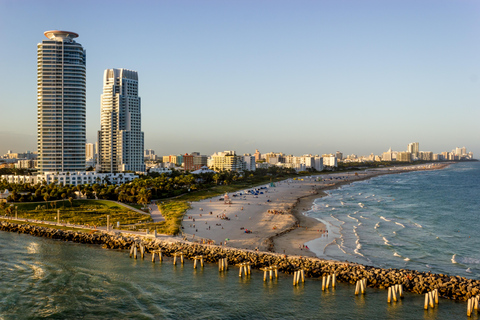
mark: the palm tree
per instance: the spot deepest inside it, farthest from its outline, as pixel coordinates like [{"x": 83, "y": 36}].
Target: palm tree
[{"x": 143, "y": 196}]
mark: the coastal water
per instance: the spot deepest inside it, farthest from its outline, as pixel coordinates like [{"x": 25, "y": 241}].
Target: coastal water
[
  {"x": 43, "y": 278},
  {"x": 427, "y": 221}
]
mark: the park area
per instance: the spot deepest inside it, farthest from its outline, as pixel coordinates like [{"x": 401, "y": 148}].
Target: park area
[{"x": 82, "y": 212}]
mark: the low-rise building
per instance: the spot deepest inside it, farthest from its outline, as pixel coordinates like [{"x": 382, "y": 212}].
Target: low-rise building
[{"x": 72, "y": 178}]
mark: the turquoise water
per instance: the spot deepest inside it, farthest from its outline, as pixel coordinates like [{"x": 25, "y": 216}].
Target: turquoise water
[
  {"x": 44, "y": 278},
  {"x": 427, "y": 221}
]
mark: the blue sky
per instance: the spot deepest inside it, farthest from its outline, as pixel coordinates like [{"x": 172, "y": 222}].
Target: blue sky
[{"x": 291, "y": 76}]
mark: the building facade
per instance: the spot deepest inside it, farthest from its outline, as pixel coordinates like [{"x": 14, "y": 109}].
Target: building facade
[
  {"x": 228, "y": 161},
  {"x": 72, "y": 178},
  {"x": 120, "y": 137},
  {"x": 61, "y": 103}
]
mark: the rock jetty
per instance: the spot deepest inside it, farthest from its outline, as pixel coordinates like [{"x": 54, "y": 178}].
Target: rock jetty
[{"x": 450, "y": 287}]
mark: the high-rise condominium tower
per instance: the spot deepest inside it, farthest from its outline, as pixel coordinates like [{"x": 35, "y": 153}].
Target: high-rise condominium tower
[
  {"x": 61, "y": 84},
  {"x": 120, "y": 137},
  {"x": 413, "y": 148}
]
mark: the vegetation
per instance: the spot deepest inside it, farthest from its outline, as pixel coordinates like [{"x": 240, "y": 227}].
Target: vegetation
[{"x": 86, "y": 212}]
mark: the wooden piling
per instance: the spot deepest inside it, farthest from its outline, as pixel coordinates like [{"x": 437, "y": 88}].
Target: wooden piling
[
  {"x": 323, "y": 283},
  {"x": 431, "y": 301},
  {"x": 135, "y": 252},
  {"x": 334, "y": 280},
  {"x": 394, "y": 293},
  {"x": 142, "y": 251},
  {"x": 435, "y": 292},
  {"x": 302, "y": 272},
  {"x": 328, "y": 281},
  {"x": 400, "y": 291},
  {"x": 475, "y": 303},
  {"x": 357, "y": 289},
  {"x": 469, "y": 307},
  {"x": 131, "y": 250},
  {"x": 425, "y": 305},
  {"x": 264, "y": 274},
  {"x": 194, "y": 263}
]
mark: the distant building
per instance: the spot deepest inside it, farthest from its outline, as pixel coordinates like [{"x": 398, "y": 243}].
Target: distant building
[
  {"x": 426, "y": 155},
  {"x": 250, "y": 163},
  {"x": 387, "y": 156},
  {"x": 329, "y": 160},
  {"x": 194, "y": 161},
  {"x": 257, "y": 155},
  {"x": 404, "y": 156},
  {"x": 413, "y": 148},
  {"x": 339, "y": 155},
  {"x": 26, "y": 164},
  {"x": 89, "y": 151},
  {"x": 228, "y": 161},
  {"x": 149, "y": 154}
]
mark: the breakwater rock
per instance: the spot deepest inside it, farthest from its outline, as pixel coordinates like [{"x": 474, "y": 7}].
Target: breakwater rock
[{"x": 450, "y": 287}]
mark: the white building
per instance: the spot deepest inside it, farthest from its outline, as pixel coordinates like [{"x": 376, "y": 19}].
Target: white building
[
  {"x": 318, "y": 163},
  {"x": 161, "y": 170},
  {"x": 329, "y": 160},
  {"x": 120, "y": 138},
  {"x": 249, "y": 162},
  {"x": 61, "y": 103},
  {"x": 72, "y": 178}
]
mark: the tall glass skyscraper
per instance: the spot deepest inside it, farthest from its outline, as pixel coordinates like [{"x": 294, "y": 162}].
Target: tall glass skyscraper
[
  {"x": 120, "y": 138},
  {"x": 61, "y": 103}
]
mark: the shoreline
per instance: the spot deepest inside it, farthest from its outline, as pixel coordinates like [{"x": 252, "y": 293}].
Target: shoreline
[{"x": 291, "y": 241}]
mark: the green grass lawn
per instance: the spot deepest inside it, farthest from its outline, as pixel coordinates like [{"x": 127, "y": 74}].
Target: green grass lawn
[
  {"x": 173, "y": 212},
  {"x": 91, "y": 212}
]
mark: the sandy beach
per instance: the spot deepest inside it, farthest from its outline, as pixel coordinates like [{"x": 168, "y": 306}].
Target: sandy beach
[{"x": 273, "y": 217}]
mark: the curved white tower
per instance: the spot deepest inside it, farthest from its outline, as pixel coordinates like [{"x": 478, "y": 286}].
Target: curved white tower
[
  {"x": 120, "y": 138},
  {"x": 61, "y": 103}
]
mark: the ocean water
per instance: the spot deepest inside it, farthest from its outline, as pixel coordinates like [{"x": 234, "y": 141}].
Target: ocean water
[
  {"x": 43, "y": 278},
  {"x": 426, "y": 221}
]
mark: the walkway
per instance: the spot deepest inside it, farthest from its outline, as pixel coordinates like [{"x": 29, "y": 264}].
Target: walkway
[{"x": 155, "y": 213}]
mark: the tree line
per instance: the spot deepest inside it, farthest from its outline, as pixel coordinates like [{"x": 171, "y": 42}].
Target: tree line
[{"x": 141, "y": 190}]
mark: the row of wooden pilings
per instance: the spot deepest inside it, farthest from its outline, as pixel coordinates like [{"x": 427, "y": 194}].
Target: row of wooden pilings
[
  {"x": 395, "y": 292},
  {"x": 472, "y": 304}
]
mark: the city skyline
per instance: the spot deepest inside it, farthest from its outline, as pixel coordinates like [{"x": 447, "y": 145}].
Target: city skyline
[{"x": 297, "y": 78}]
